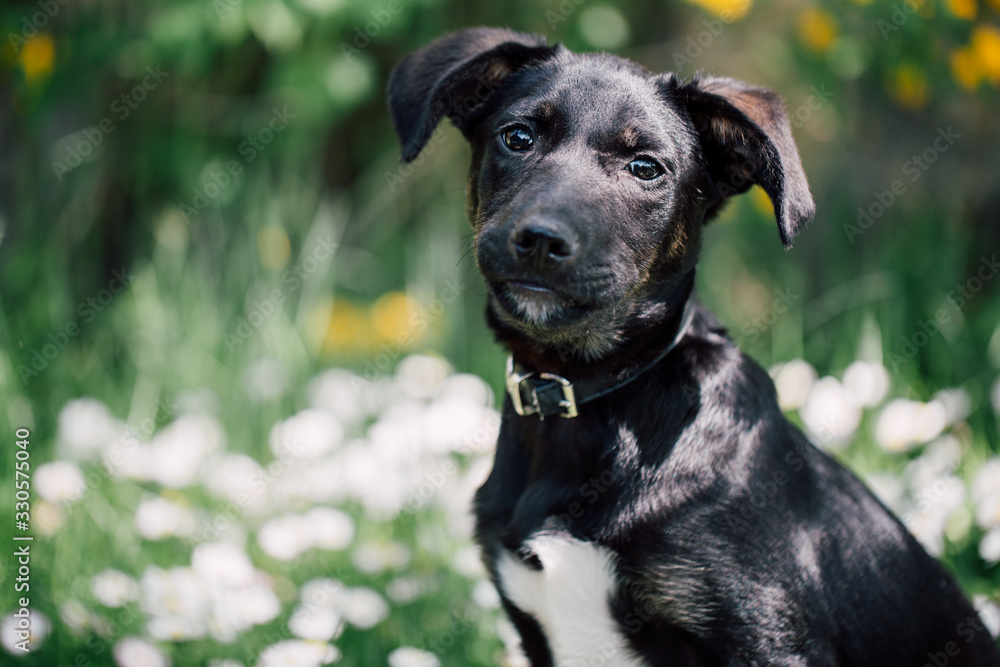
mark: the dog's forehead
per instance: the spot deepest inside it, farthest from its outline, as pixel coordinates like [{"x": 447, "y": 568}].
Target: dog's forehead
[{"x": 601, "y": 95}]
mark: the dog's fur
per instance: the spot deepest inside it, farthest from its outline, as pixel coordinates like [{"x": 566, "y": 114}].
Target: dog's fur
[{"x": 722, "y": 536}]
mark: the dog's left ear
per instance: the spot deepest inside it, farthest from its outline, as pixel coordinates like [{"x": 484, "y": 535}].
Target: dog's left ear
[
  {"x": 453, "y": 76},
  {"x": 746, "y": 139}
]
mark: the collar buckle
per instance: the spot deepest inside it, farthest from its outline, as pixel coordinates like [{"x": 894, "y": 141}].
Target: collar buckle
[{"x": 544, "y": 394}]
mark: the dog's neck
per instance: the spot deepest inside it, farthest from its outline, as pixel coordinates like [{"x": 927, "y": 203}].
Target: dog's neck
[{"x": 651, "y": 329}]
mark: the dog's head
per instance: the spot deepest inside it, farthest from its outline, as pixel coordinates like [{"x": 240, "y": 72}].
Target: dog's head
[{"x": 592, "y": 177}]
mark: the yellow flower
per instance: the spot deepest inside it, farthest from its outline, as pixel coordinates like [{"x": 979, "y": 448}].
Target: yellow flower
[
  {"x": 727, "y": 10},
  {"x": 963, "y": 9},
  {"x": 817, "y": 29},
  {"x": 273, "y": 247},
  {"x": 986, "y": 47},
  {"x": 346, "y": 329},
  {"x": 908, "y": 88},
  {"x": 38, "y": 57},
  {"x": 965, "y": 68},
  {"x": 761, "y": 201},
  {"x": 391, "y": 318}
]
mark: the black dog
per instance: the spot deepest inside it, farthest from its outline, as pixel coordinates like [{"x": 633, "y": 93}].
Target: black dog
[{"x": 649, "y": 504}]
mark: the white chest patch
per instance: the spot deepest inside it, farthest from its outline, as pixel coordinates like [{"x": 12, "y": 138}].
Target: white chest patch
[{"x": 569, "y": 597}]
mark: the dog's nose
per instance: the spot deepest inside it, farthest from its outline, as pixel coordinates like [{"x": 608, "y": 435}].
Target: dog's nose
[{"x": 544, "y": 242}]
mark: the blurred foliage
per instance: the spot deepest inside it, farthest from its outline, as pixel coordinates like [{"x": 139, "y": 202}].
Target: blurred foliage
[{"x": 188, "y": 187}]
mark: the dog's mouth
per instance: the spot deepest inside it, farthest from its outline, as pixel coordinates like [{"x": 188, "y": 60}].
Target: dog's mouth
[{"x": 539, "y": 304}]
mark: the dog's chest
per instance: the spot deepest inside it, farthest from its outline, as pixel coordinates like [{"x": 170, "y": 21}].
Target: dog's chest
[{"x": 569, "y": 597}]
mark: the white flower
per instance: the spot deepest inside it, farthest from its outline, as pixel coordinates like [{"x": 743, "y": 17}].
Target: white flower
[
  {"x": 376, "y": 557},
  {"x": 421, "y": 376},
  {"x": 265, "y": 379},
  {"x": 24, "y": 631},
  {"x": 59, "y": 481},
  {"x": 902, "y": 424},
  {"x": 829, "y": 414},
  {"x": 75, "y": 615},
  {"x": 987, "y": 481},
  {"x": 485, "y": 595},
  {"x": 928, "y": 527},
  {"x": 454, "y": 423},
  {"x": 956, "y": 402},
  {"x": 793, "y": 380},
  {"x": 986, "y": 494},
  {"x": 375, "y": 480},
  {"x": 307, "y": 434},
  {"x": 189, "y": 602},
  {"x": 237, "y": 478},
  {"x": 989, "y": 547},
  {"x": 935, "y": 501},
  {"x": 298, "y": 653},
  {"x": 989, "y": 612},
  {"x": 405, "y": 589},
  {"x": 470, "y": 387},
  {"x": 988, "y": 512},
  {"x": 324, "y": 593},
  {"x": 113, "y": 588},
  {"x": 85, "y": 427},
  {"x": 177, "y": 453},
  {"x": 47, "y": 518},
  {"x": 173, "y": 592},
  {"x": 866, "y": 382},
  {"x": 887, "y": 487},
  {"x": 285, "y": 537},
  {"x": 158, "y": 518},
  {"x": 135, "y": 652},
  {"x": 173, "y": 627},
  {"x": 288, "y": 536},
  {"x": 363, "y": 607},
  {"x": 941, "y": 457},
  {"x": 468, "y": 562},
  {"x": 317, "y": 624},
  {"x": 225, "y": 663},
  {"x": 339, "y": 393},
  {"x": 407, "y": 656},
  {"x": 331, "y": 528},
  {"x": 224, "y": 563}
]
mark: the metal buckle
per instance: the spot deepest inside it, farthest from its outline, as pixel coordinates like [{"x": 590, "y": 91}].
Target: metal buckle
[{"x": 516, "y": 380}]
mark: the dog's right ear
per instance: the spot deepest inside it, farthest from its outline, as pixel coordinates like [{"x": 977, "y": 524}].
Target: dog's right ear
[{"x": 453, "y": 76}]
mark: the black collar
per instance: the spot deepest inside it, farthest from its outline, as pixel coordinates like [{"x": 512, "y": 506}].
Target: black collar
[{"x": 548, "y": 394}]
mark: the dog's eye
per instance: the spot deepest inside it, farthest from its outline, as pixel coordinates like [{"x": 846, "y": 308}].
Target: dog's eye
[
  {"x": 517, "y": 138},
  {"x": 645, "y": 168}
]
